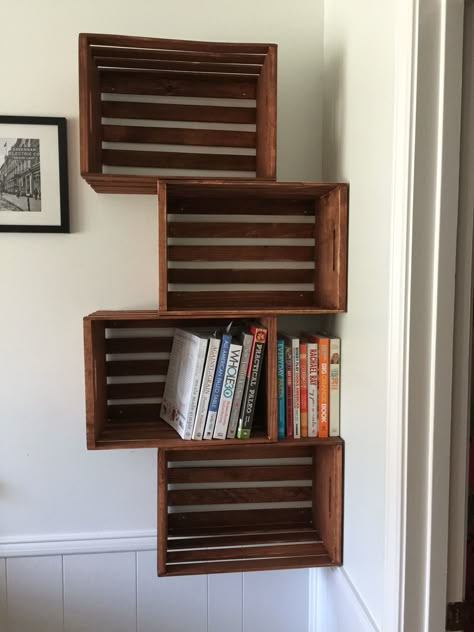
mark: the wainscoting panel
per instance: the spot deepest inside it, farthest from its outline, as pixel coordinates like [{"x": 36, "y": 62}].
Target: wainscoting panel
[
  {"x": 276, "y": 601},
  {"x": 99, "y": 592},
  {"x": 169, "y": 604},
  {"x": 3, "y": 594},
  {"x": 35, "y": 594},
  {"x": 225, "y": 601}
]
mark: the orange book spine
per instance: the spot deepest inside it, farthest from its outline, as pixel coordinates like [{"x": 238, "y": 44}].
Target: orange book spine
[
  {"x": 303, "y": 390},
  {"x": 323, "y": 404}
]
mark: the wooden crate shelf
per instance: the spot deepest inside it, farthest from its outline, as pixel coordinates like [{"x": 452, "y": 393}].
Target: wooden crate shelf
[
  {"x": 249, "y": 510},
  {"x": 151, "y": 106},
  {"x": 267, "y": 246},
  {"x": 126, "y": 362}
]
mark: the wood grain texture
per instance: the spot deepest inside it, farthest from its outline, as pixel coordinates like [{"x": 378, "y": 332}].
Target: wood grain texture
[
  {"x": 269, "y": 537},
  {"x": 246, "y": 553},
  {"x": 177, "y": 65},
  {"x": 240, "y": 253},
  {"x": 242, "y": 473},
  {"x": 189, "y": 55},
  {"x": 177, "y": 136},
  {"x": 95, "y": 375},
  {"x": 273, "y": 300},
  {"x": 250, "y": 230},
  {"x": 267, "y": 116},
  {"x": 198, "y": 568},
  {"x": 180, "y": 523},
  {"x": 162, "y": 511},
  {"x": 235, "y": 495},
  {"x": 177, "y": 160},
  {"x": 237, "y": 275}
]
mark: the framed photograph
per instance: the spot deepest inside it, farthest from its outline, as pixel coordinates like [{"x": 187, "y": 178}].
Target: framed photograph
[{"x": 33, "y": 175}]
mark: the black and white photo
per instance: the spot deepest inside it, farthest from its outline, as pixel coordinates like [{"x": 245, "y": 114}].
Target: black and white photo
[{"x": 33, "y": 174}]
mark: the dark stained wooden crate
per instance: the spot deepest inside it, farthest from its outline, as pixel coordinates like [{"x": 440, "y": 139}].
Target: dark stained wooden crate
[
  {"x": 257, "y": 514},
  {"x": 199, "y": 106},
  {"x": 270, "y": 246},
  {"x": 126, "y": 356}
]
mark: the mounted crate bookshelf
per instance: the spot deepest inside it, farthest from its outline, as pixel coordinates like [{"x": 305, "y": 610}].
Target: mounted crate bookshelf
[
  {"x": 255, "y": 508},
  {"x": 151, "y": 107},
  {"x": 269, "y": 246}
]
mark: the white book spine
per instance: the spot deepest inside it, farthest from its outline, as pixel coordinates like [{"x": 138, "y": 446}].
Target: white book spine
[
  {"x": 312, "y": 381},
  {"x": 206, "y": 387},
  {"x": 239, "y": 388},
  {"x": 228, "y": 390},
  {"x": 295, "y": 353},
  {"x": 334, "y": 386},
  {"x": 196, "y": 388}
]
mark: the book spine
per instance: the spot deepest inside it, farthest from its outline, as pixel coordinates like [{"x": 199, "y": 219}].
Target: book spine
[
  {"x": 228, "y": 390},
  {"x": 217, "y": 386},
  {"x": 334, "y": 386},
  {"x": 323, "y": 405},
  {"x": 196, "y": 388},
  {"x": 281, "y": 387},
  {"x": 295, "y": 357},
  {"x": 251, "y": 386},
  {"x": 246, "y": 340},
  {"x": 303, "y": 389},
  {"x": 205, "y": 395},
  {"x": 312, "y": 382},
  {"x": 288, "y": 392}
]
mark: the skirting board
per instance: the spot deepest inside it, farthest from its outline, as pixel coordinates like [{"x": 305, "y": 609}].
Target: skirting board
[
  {"x": 70, "y": 543},
  {"x": 337, "y": 605}
]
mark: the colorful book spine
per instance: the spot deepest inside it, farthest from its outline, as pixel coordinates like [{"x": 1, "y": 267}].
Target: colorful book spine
[
  {"x": 323, "y": 378},
  {"x": 228, "y": 390},
  {"x": 251, "y": 385},
  {"x": 246, "y": 339},
  {"x": 303, "y": 390},
  {"x": 206, "y": 387},
  {"x": 288, "y": 392},
  {"x": 217, "y": 386},
  {"x": 334, "y": 386},
  {"x": 295, "y": 359},
  {"x": 281, "y": 388},
  {"x": 312, "y": 383}
]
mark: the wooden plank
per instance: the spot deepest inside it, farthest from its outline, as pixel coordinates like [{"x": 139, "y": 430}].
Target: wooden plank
[
  {"x": 177, "y": 84},
  {"x": 162, "y": 245},
  {"x": 95, "y": 379},
  {"x": 239, "y": 518},
  {"x": 266, "y": 117},
  {"x": 239, "y": 204},
  {"x": 242, "y": 451},
  {"x": 183, "y": 66},
  {"x": 136, "y": 367},
  {"x": 238, "y": 495},
  {"x": 136, "y": 412},
  {"x": 121, "y": 183},
  {"x": 131, "y": 391},
  {"x": 180, "y": 55},
  {"x": 246, "y": 552},
  {"x": 162, "y": 532},
  {"x": 198, "y": 568},
  {"x": 244, "y": 539},
  {"x": 177, "y": 160},
  {"x": 159, "y": 344},
  {"x": 275, "y": 300},
  {"x": 235, "y": 275},
  {"x": 241, "y": 253},
  {"x": 178, "y": 112},
  {"x": 177, "y": 136},
  {"x": 327, "y": 498},
  {"x": 262, "y": 230},
  {"x": 241, "y": 473}
]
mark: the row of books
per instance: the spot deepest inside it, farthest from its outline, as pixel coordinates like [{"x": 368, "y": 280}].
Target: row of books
[
  {"x": 212, "y": 382},
  {"x": 308, "y": 385}
]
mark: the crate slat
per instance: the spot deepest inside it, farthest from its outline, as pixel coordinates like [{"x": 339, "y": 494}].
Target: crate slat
[
  {"x": 249, "y": 230},
  {"x": 244, "y": 539},
  {"x": 262, "y": 298},
  {"x": 177, "y": 136},
  {"x": 235, "y": 275},
  {"x": 200, "y": 568},
  {"x": 177, "y": 65},
  {"x": 179, "y": 55},
  {"x": 242, "y": 473},
  {"x": 249, "y": 552},
  {"x": 179, "y": 112},
  {"x": 178, "y": 522},
  {"x": 235, "y": 495},
  {"x": 176, "y": 160},
  {"x": 139, "y": 345},
  {"x": 240, "y": 253},
  {"x": 136, "y": 367},
  {"x": 132, "y": 390}
]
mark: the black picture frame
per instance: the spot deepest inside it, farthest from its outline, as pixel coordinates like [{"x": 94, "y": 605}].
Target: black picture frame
[{"x": 34, "y": 192}]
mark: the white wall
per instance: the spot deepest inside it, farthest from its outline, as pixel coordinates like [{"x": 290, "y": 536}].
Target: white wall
[
  {"x": 359, "y": 49},
  {"x": 51, "y": 488}
]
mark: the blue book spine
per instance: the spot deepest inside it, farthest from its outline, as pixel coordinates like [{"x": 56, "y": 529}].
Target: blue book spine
[
  {"x": 217, "y": 386},
  {"x": 281, "y": 387}
]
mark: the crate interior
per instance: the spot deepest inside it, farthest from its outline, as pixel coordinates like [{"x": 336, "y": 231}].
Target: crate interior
[
  {"x": 154, "y": 106},
  {"x": 249, "y": 508},
  {"x": 126, "y": 360},
  {"x": 269, "y": 246}
]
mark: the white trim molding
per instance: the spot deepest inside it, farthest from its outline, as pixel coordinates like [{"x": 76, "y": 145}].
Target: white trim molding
[{"x": 70, "y": 543}]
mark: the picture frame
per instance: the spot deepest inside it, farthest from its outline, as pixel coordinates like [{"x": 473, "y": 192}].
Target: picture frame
[{"x": 34, "y": 195}]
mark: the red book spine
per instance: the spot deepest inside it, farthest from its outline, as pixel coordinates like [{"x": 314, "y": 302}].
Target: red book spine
[
  {"x": 288, "y": 392},
  {"x": 303, "y": 389}
]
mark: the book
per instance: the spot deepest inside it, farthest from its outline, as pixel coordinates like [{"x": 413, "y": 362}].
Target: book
[
  {"x": 288, "y": 391},
  {"x": 217, "y": 384},
  {"x": 323, "y": 382},
  {"x": 252, "y": 380},
  {"x": 294, "y": 343},
  {"x": 303, "y": 389},
  {"x": 334, "y": 386},
  {"x": 228, "y": 390},
  {"x": 206, "y": 387},
  {"x": 183, "y": 382},
  {"x": 246, "y": 341},
  {"x": 281, "y": 388},
  {"x": 312, "y": 384}
]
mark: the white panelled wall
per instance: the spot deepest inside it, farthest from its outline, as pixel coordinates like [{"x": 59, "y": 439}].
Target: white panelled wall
[{"x": 119, "y": 592}]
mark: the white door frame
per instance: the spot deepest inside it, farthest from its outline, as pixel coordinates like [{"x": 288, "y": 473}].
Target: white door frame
[{"x": 423, "y": 263}]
